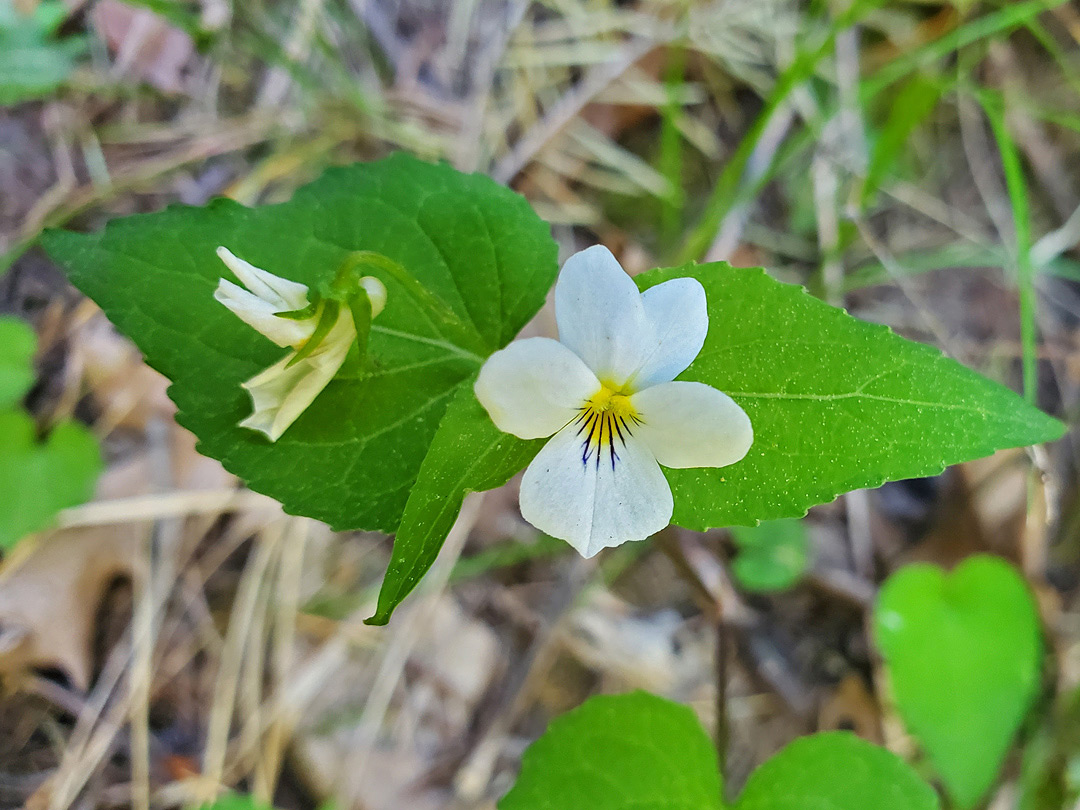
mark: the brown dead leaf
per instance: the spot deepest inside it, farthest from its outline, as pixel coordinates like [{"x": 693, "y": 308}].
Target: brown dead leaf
[
  {"x": 48, "y": 603},
  {"x": 146, "y": 47},
  {"x": 851, "y": 707},
  {"x": 128, "y": 391},
  {"x": 50, "y": 597}
]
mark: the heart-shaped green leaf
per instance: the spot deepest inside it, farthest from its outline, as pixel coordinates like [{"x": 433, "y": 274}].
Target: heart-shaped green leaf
[
  {"x": 963, "y": 653},
  {"x": 16, "y": 353},
  {"x": 353, "y": 455},
  {"x": 641, "y": 752},
  {"x": 771, "y": 556},
  {"x": 836, "y": 403},
  {"x": 38, "y": 479},
  {"x": 835, "y": 771}
]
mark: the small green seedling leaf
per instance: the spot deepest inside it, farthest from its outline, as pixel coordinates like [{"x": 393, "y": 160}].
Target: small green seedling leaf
[
  {"x": 836, "y": 403},
  {"x": 17, "y": 345},
  {"x": 641, "y": 752},
  {"x": 472, "y": 249},
  {"x": 33, "y": 63},
  {"x": 771, "y": 556},
  {"x": 963, "y": 654},
  {"x": 835, "y": 771},
  {"x": 620, "y": 752},
  {"x": 468, "y": 454},
  {"x": 236, "y": 801},
  {"x": 38, "y": 479}
]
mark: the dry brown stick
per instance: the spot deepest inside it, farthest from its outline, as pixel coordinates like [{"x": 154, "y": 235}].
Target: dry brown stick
[
  {"x": 564, "y": 111},
  {"x": 474, "y": 774}
]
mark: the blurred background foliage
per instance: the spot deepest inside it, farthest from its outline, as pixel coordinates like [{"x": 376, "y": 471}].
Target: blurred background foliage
[{"x": 912, "y": 160}]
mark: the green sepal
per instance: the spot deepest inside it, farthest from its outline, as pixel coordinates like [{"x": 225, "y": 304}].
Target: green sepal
[
  {"x": 327, "y": 319},
  {"x": 360, "y": 309}
]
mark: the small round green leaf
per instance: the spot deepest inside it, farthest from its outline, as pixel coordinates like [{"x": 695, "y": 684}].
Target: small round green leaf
[
  {"x": 835, "y": 771},
  {"x": 620, "y": 752},
  {"x": 963, "y": 652},
  {"x": 38, "y": 479},
  {"x": 33, "y": 61},
  {"x": 17, "y": 344},
  {"x": 771, "y": 556}
]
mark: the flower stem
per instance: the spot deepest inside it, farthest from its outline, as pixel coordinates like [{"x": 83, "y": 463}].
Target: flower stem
[{"x": 443, "y": 318}]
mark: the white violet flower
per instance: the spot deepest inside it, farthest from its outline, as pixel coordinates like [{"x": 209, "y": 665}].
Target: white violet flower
[
  {"x": 282, "y": 392},
  {"x": 604, "y": 392}
]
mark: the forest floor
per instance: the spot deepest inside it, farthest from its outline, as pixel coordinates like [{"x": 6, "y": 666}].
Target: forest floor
[{"x": 850, "y": 149}]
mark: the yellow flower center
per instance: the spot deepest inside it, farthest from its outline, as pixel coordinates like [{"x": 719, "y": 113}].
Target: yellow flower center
[{"x": 605, "y": 422}]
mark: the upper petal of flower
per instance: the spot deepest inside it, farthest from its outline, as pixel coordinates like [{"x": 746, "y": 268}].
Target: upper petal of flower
[
  {"x": 600, "y": 315},
  {"x": 533, "y": 387},
  {"x": 259, "y": 315},
  {"x": 376, "y": 291},
  {"x": 577, "y": 491},
  {"x": 282, "y": 392},
  {"x": 690, "y": 424},
  {"x": 679, "y": 317},
  {"x": 281, "y": 293}
]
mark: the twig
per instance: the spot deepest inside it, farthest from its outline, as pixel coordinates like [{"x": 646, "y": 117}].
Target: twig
[
  {"x": 729, "y": 231},
  {"x": 474, "y": 776},
  {"x": 356, "y": 765},
  {"x": 164, "y": 505},
  {"x": 225, "y": 686},
  {"x": 567, "y": 108}
]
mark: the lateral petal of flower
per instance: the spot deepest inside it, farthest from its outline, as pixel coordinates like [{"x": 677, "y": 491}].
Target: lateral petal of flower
[
  {"x": 259, "y": 315},
  {"x": 590, "y": 502},
  {"x": 690, "y": 424},
  {"x": 679, "y": 316},
  {"x": 279, "y": 292},
  {"x": 282, "y": 392},
  {"x": 600, "y": 315},
  {"x": 534, "y": 387}
]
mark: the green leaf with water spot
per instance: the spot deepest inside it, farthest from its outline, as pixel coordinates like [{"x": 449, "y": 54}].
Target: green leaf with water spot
[
  {"x": 352, "y": 457},
  {"x": 17, "y": 345},
  {"x": 38, "y": 478},
  {"x": 963, "y": 653},
  {"x": 836, "y": 403}
]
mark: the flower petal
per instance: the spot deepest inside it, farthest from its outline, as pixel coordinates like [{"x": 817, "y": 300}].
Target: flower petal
[
  {"x": 259, "y": 315},
  {"x": 376, "y": 291},
  {"x": 690, "y": 424},
  {"x": 534, "y": 387},
  {"x": 600, "y": 315},
  {"x": 679, "y": 317},
  {"x": 282, "y": 392},
  {"x": 281, "y": 293},
  {"x": 595, "y": 503}
]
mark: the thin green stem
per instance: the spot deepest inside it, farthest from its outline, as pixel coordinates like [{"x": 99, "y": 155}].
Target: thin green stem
[
  {"x": 1025, "y": 271},
  {"x": 457, "y": 330}
]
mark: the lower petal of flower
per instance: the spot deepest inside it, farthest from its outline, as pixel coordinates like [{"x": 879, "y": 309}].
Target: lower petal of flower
[{"x": 595, "y": 492}]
